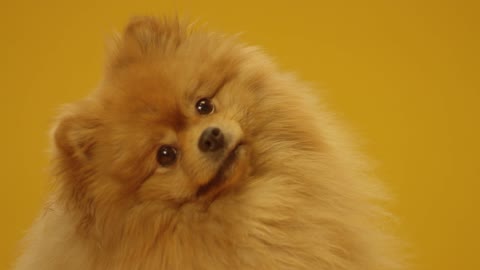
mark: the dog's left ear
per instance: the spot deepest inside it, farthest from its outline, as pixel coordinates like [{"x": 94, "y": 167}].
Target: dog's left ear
[{"x": 144, "y": 36}]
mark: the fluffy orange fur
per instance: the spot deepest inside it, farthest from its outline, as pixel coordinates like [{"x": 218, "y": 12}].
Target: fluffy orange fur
[{"x": 296, "y": 196}]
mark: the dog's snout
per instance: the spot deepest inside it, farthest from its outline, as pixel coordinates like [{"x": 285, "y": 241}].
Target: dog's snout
[{"x": 211, "y": 140}]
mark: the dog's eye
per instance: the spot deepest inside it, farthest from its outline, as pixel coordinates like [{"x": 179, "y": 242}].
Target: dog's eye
[
  {"x": 204, "y": 106},
  {"x": 166, "y": 155}
]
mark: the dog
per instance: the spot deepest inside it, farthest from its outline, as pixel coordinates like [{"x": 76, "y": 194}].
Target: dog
[{"x": 196, "y": 152}]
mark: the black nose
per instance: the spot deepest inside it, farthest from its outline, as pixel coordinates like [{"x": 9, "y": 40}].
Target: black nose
[{"x": 211, "y": 140}]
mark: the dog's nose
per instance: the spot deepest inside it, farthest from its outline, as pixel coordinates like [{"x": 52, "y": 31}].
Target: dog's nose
[{"x": 211, "y": 140}]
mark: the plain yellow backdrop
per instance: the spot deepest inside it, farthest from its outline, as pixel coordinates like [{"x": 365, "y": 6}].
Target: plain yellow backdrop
[{"x": 403, "y": 74}]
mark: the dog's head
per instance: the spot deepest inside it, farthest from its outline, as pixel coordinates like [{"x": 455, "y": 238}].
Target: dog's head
[{"x": 175, "y": 118}]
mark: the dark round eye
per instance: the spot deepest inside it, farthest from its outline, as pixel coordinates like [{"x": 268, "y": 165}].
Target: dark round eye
[
  {"x": 166, "y": 155},
  {"x": 204, "y": 106}
]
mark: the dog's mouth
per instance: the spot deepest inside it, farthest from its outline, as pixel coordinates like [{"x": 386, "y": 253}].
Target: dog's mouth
[{"x": 223, "y": 173}]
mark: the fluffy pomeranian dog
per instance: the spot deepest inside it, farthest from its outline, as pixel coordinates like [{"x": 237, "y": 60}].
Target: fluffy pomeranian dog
[{"x": 196, "y": 152}]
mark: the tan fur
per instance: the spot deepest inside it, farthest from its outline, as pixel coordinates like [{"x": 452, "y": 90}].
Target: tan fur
[{"x": 297, "y": 197}]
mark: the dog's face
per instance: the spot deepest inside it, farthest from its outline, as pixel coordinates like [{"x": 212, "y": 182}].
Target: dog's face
[
  {"x": 171, "y": 121},
  {"x": 184, "y": 128}
]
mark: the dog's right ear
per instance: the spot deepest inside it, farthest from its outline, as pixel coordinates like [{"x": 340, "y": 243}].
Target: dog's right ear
[{"x": 75, "y": 135}]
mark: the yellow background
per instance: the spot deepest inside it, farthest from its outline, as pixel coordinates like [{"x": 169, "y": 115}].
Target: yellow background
[{"x": 403, "y": 74}]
